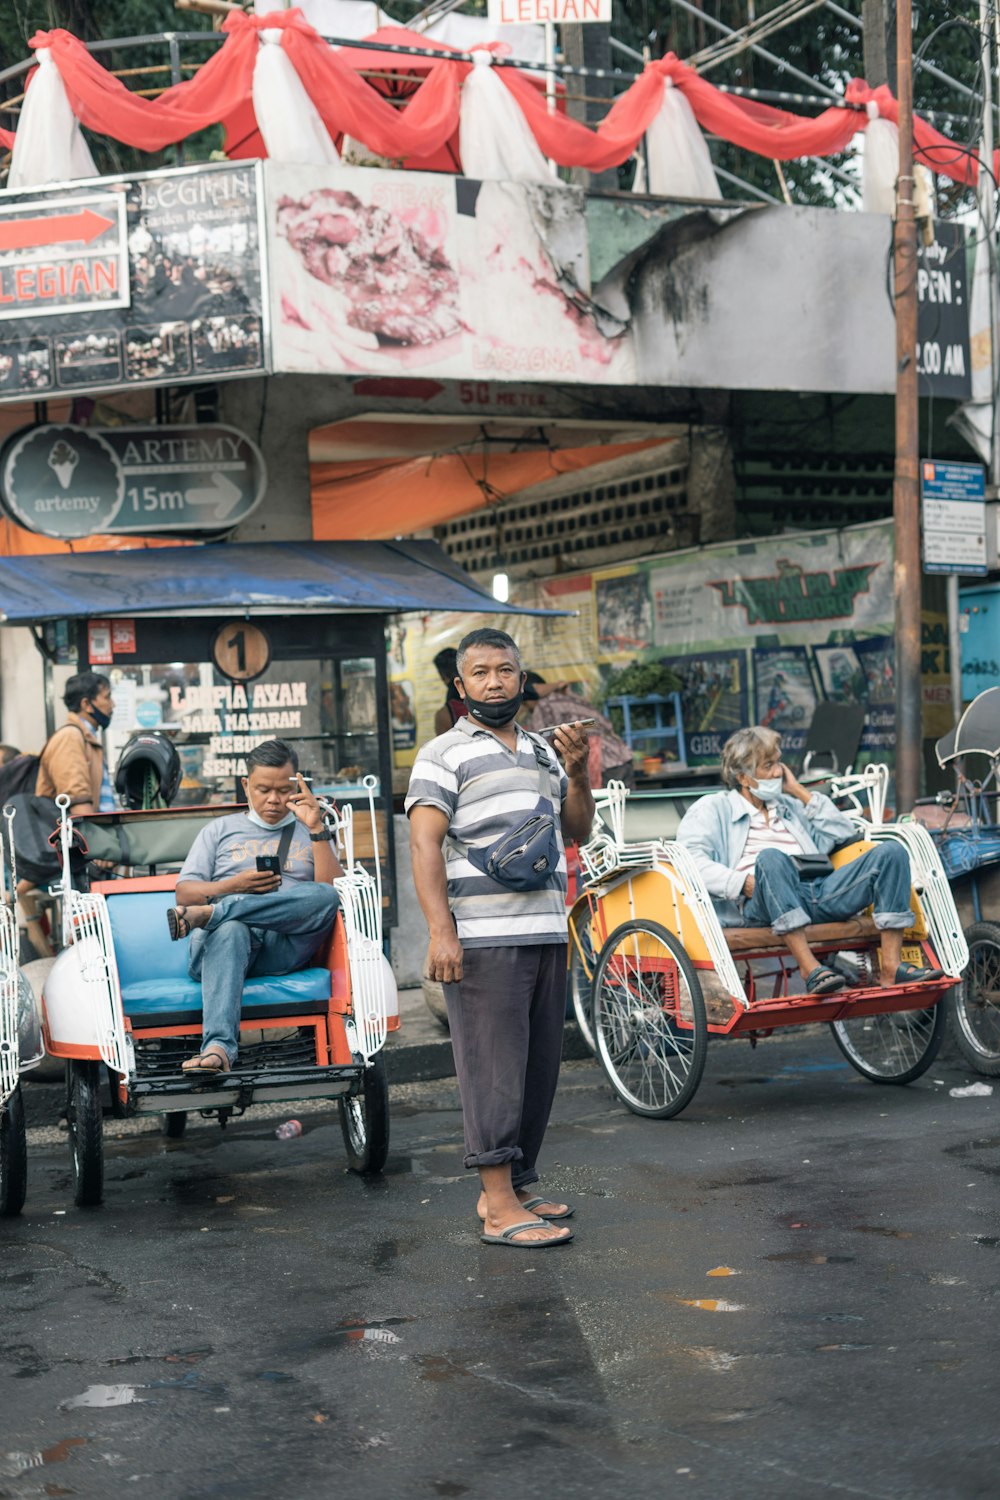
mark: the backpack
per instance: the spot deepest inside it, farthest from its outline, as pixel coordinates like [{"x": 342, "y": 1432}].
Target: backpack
[{"x": 20, "y": 775}]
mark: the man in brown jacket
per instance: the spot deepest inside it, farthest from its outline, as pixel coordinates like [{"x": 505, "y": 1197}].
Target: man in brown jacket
[{"x": 72, "y": 761}]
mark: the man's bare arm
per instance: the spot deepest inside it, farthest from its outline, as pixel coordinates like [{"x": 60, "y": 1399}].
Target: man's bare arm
[{"x": 428, "y": 828}]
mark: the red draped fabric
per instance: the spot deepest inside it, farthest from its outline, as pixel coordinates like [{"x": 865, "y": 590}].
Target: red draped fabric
[{"x": 424, "y": 130}]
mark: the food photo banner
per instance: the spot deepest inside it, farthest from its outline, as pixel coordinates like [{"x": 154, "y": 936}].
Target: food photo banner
[
  {"x": 154, "y": 279},
  {"x": 382, "y": 272}
]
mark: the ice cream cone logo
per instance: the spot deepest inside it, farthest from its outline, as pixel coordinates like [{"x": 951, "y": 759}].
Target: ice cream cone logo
[{"x": 62, "y": 461}]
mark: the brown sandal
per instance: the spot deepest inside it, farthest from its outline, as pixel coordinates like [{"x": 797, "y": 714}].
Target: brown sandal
[
  {"x": 212, "y": 1060},
  {"x": 178, "y": 923}
]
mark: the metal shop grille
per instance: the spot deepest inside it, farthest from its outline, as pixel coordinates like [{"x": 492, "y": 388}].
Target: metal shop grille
[
  {"x": 781, "y": 491},
  {"x": 638, "y": 511}
]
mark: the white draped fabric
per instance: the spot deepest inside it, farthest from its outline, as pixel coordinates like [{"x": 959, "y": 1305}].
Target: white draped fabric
[
  {"x": 880, "y": 165},
  {"x": 493, "y": 136},
  {"x": 679, "y": 162},
  {"x": 289, "y": 125},
  {"x": 49, "y": 144},
  {"x": 352, "y": 19}
]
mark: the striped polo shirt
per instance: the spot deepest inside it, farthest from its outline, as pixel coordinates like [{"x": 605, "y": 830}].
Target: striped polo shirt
[
  {"x": 769, "y": 833},
  {"x": 486, "y": 790}
]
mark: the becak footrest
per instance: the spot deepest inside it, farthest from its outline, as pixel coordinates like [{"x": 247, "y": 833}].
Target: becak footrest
[{"x": 753, "y": 939}]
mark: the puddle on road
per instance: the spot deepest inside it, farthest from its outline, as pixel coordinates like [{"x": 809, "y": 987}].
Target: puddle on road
[
  {"x": 175, "y": 1357},
  {"x": 710, "y": 1304},
  {"x": 810, "y": 1258},
  {"x": 105, "y": 1395},
  {"x": 887, "y": 1234},
  {"x": 13, "y": 1463},
  {"x": 439, "y": 1368},
  {"x": 376, "y": 1331}
]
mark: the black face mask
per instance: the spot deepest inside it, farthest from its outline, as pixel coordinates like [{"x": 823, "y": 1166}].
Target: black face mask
[
  {"x": 101, "y": 719},
  {"x": 494, "y": 715}
]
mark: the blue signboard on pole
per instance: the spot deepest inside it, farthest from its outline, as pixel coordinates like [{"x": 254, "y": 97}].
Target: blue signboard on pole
[{"x": 953, "y": 517}]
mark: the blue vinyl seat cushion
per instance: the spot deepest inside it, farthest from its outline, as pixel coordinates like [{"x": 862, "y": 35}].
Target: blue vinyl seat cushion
[{"x": 153, "y": 970}]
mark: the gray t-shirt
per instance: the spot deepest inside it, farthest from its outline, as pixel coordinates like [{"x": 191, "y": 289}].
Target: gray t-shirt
[{"x": 230, "y": 844}]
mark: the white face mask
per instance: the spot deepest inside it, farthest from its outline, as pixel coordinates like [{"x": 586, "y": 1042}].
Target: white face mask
[
  {"x": 256, "y": 818},
  {"x": 768, "y": 788}
]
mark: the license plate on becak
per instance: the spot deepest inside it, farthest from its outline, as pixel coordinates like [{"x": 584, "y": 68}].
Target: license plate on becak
[{"x": 913, "y": 954}]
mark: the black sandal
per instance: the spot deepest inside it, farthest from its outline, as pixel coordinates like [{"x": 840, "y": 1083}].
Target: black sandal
[{"x": 825, "y": 981}]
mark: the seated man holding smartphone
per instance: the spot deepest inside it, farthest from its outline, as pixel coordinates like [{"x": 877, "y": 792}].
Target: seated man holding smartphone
[{"x": 255, "y": 895}]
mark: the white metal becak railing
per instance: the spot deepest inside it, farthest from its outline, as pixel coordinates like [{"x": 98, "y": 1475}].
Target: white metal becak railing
[
  {"x": 87, "y": 932},
  {"x": 10, "y": 978},
  {"x": 360, "y": 895},
  {"x": 604, "y": 857}
]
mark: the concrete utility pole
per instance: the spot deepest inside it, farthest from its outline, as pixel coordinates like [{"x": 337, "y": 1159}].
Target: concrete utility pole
[
  {"x": 878, "y": 22},
  {"x": 906, "y": 488}
]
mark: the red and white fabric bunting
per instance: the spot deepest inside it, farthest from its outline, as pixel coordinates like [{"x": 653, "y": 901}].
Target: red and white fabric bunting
[{"x": 259, "y": 81}]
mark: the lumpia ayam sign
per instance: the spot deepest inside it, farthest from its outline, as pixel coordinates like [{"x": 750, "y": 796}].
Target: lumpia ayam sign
[
  {"x": 568, "y": 12},
  {"x": 63, "y": 255},
  {"x": 66, "y": 482}
]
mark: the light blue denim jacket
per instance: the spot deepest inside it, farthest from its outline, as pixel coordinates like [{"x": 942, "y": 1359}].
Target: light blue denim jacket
[{"x": 716, "y": 829}]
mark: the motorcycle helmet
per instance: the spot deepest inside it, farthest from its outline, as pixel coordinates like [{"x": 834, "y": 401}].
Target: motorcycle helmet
[{"x": 148, "y": 772}]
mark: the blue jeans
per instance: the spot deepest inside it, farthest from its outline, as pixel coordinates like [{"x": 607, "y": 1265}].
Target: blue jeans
[
  {"x": 254, "y": 935},
  {"x": 783, "y": 902}
]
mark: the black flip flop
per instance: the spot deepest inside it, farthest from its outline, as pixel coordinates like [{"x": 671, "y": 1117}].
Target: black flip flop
[{"x": 506, "y": 1237}]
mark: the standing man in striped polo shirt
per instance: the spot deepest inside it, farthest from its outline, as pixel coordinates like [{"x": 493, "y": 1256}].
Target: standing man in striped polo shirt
[{"x": 500, "y": 953}]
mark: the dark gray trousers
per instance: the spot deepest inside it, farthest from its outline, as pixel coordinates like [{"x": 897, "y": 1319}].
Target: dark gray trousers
[{"x": 506, "y": 1016}]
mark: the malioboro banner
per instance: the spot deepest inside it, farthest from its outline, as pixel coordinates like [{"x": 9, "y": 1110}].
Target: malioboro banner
[{"x": 758, "y": 632}]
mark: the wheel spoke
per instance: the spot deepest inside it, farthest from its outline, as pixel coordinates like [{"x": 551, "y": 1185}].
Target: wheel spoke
[{"x": 641, "y": 994}]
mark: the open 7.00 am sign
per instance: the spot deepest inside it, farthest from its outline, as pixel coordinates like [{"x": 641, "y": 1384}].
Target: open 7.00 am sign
[{"x": 68, "y": 482}]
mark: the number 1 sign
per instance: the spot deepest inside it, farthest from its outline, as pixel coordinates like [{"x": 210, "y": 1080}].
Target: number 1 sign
[{"x": 241, "y": 651}]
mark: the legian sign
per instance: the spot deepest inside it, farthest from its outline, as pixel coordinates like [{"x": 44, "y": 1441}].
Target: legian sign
[
  {"x": 64, "y": 255},
  {"x": 953, "y": 507},
  {"x": 67, "y": 482},
  {"x": 567, "y": 12}
]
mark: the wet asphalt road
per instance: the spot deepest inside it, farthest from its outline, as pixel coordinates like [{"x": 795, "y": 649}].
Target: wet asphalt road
[{"x": 285, "y": 1329}]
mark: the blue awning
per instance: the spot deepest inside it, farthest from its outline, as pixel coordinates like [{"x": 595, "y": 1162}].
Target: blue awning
[{"x": 336, "y": 577}]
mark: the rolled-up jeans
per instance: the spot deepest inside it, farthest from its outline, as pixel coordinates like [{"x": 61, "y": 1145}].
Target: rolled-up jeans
[
  {"x": 879, "y": 878},
  {"x": 254, "y": 935}
]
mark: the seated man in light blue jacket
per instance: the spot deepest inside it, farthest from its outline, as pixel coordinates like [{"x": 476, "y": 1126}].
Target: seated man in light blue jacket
[{"x": 745, "y": 842}]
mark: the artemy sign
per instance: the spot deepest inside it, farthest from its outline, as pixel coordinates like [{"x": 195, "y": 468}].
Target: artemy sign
[
  {"x": 63, "y": 255},
  {"x": 68, "y": 482}
]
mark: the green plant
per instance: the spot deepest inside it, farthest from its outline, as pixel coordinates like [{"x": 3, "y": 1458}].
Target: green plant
[{"x": 640, "y": 680}]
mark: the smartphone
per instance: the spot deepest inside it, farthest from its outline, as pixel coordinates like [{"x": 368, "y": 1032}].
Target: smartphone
[
  {"x": 573, "y": 724},
  {"x": 268, "y": 862}
]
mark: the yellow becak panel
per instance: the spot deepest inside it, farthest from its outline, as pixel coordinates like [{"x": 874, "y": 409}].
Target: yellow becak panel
[
  {"x": 841, "y": 858},
  {"x": 652, "y": 896}
]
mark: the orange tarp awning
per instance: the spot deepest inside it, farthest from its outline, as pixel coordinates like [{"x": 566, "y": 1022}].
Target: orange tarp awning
[
  {"x": 372, "y": 500},
  {"x": 17, "y": 541}
]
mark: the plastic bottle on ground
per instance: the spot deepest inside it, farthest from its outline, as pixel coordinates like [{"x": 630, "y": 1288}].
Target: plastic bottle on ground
[{"x": 289, "y": 1130}]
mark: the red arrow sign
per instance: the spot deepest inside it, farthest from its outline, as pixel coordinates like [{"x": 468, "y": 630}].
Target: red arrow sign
[
  {"x": 406, "y": 387},
  {"x": 57, "y": 229}
]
